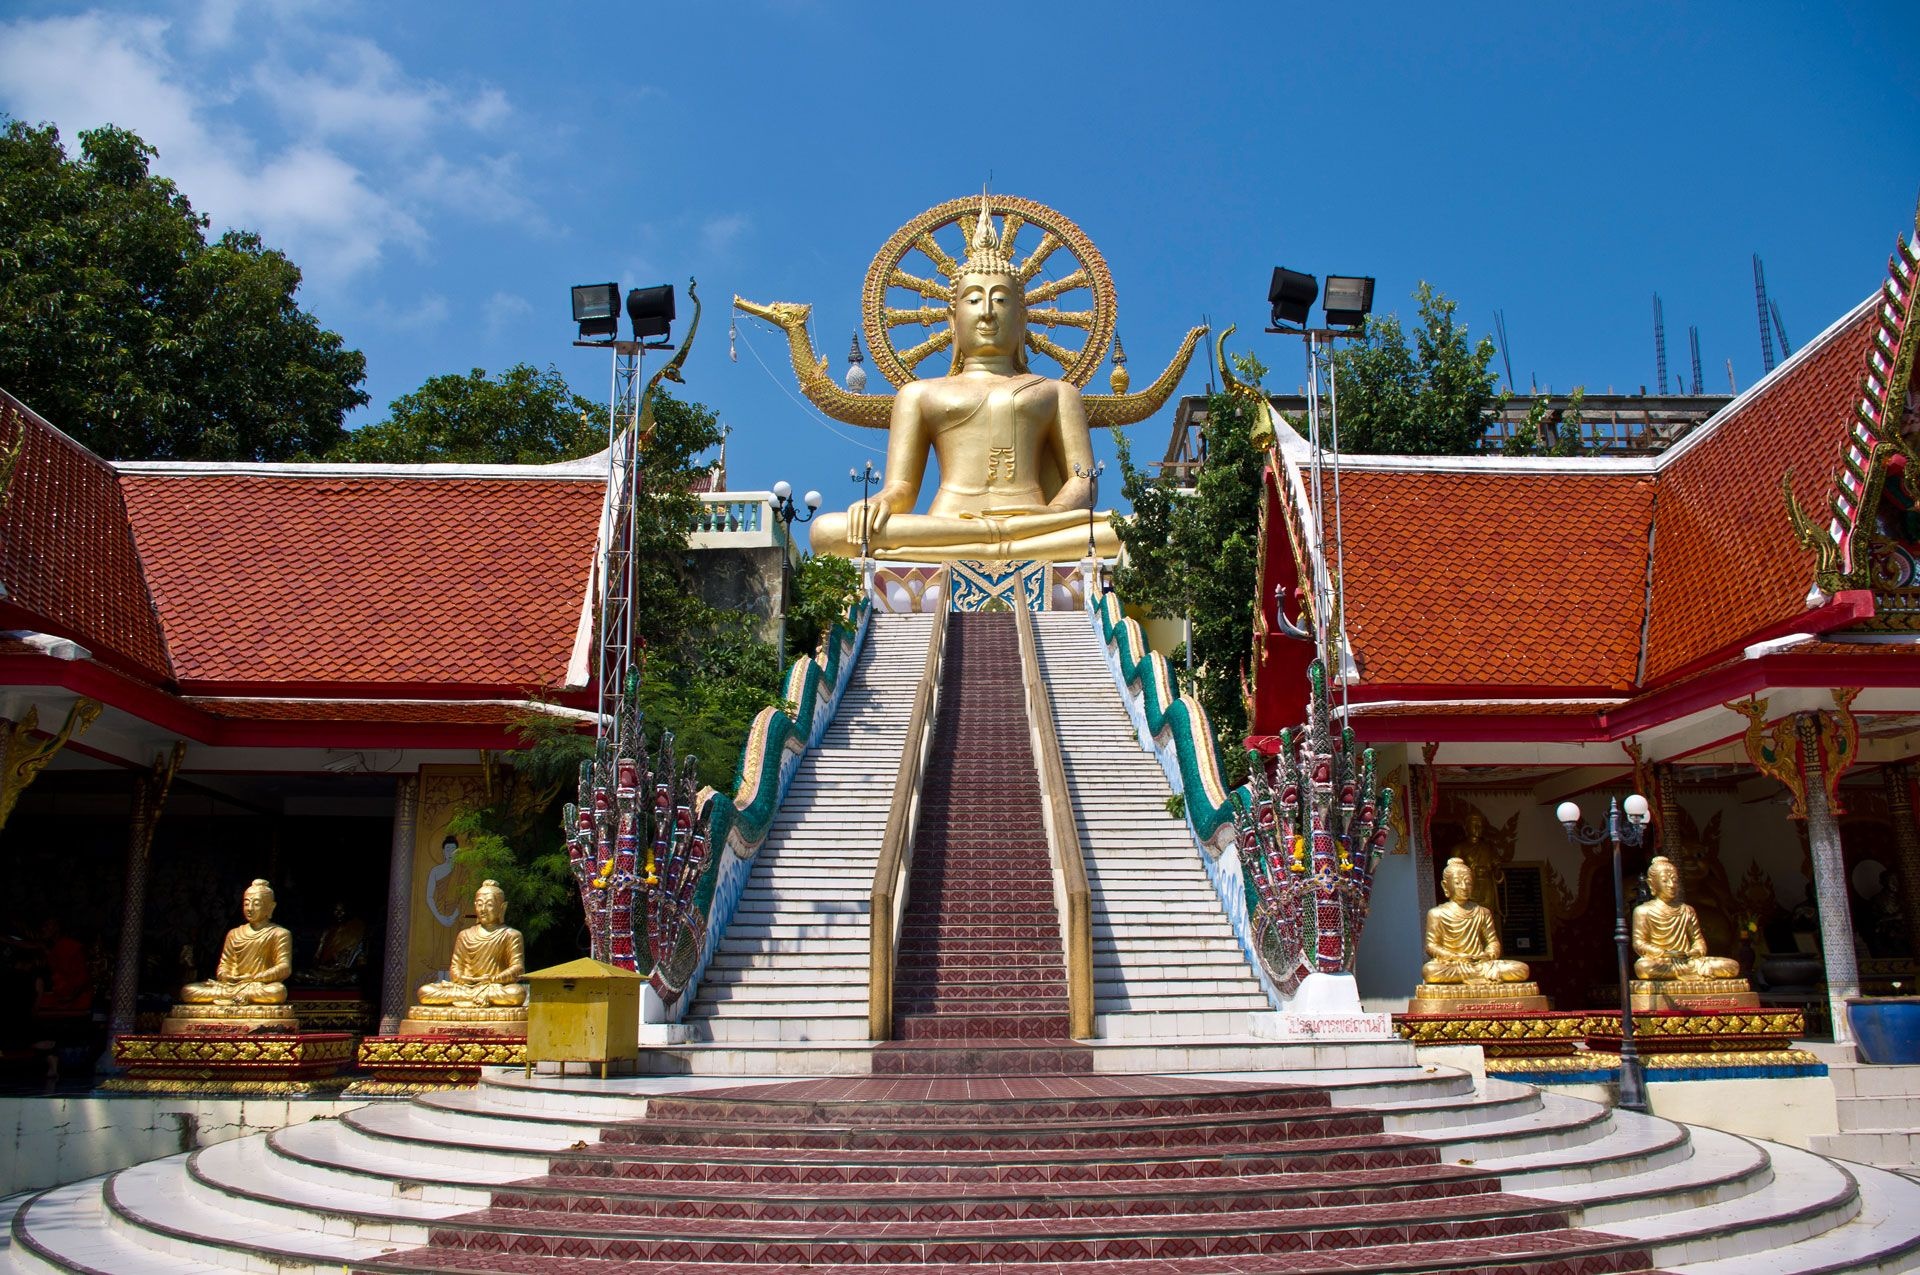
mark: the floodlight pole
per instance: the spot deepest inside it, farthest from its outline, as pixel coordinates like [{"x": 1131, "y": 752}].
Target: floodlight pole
[{"x": 615, "y": 647}]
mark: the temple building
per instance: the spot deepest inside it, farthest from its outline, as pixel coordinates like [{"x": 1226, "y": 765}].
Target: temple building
[{"x": 1726, "y": 625}]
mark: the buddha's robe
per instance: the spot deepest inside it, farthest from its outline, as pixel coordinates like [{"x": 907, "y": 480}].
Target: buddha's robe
[
  {"x": 253, "y": 969},
  {"x": 1667, "y": 944},
  {"x": 485, "y": 970},
  {"x": 1464, "y": 947}
]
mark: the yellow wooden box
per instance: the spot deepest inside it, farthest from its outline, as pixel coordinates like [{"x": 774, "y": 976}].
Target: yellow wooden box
[{"x": 583, "y": 1011}]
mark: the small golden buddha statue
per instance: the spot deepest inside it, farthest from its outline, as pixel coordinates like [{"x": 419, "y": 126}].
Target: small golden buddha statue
[
  {"x": 1008, "y": 441},
  {"x": 340, "y": 956},
  {"x": 248, "y": 990},
  {"x": 1464, "y": 965},
  {"x": 1482, "y": 858},
  {"x": 1671, "y": 968},
  {"x": 482, "y": 990}
]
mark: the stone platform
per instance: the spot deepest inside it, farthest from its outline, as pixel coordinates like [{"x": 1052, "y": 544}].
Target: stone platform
[
  {"x": 1325, "y": 1167},
  {"x": 233, "y": 1063}
]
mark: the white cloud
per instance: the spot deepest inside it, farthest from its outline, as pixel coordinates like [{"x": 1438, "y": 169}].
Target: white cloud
[
  {"x": 503, "y": 308},
  {"x": 719, "y": 234},
  {"x": 421, "y": 313},
  {"x": 357, "y": 170}
]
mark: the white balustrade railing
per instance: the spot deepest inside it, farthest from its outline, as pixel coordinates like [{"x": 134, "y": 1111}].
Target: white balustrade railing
[{"x": 734, "y": 520}]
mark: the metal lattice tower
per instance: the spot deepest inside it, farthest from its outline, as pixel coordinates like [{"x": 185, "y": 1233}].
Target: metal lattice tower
[
  {"x": 1693, "y": 345},
  {"x": 1760, "y": 301},
  {"x": 616, "y": 566},
  {"x": 1779, "y": 327},
  {"x": 1659, "y": 344}
]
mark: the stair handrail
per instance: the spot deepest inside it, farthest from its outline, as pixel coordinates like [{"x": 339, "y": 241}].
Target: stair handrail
[
  {"x": 1071, "y": 898},
  {"x": 903, "y": 817}
]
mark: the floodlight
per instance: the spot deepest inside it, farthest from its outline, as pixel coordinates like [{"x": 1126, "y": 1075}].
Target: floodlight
[
  {"x": 651, "y": 310},
  {"x": 1349, "y": 300},
  {"x": 1291, "y": 295},
  {"x": 596, "y": 308}
]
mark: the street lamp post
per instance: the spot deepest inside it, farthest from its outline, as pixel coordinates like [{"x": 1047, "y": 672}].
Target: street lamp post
[
  {"x": 868, "y": 478},
  {"x": 1624, "y": 827},
  {"x": 785, "y": 514},
  {"x": 1093, "y": 495}
]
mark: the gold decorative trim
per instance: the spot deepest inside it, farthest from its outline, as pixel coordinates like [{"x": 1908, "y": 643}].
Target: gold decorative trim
[{"x": 323, "y": 1086}]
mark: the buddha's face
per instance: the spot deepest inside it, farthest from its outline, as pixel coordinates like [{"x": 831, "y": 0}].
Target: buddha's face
[
  {"x": 989, "y": 315},
  {"x": 1476, "y": 824},
  {"x": 257, "y": 905},
  {"x": 490, "y": 906},
  {"x": 1664, "y": 881},
  {"x": 1458, "y": 883}
]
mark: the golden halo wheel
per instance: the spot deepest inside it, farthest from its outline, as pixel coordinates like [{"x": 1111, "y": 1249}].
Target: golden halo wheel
[{"x": 1069, "y": 290}]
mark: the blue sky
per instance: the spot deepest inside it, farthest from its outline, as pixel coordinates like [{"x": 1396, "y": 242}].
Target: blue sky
[{"x": 444, "y": 172}]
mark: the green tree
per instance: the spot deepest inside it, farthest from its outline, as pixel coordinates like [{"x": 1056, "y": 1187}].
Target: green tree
[
  {"x": 824, "y": 586},
  {"x": 1194, "y": 553},
  {"x": 522, "y": 417},
  {"x": 122, "y": 325},
  {"x": 1433, "y": 398},
  {"x": 1549, "y": 433}
]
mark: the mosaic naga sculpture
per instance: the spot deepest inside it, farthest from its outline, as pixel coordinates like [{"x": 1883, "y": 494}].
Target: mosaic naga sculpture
[{"x": 1309, "y": 844}]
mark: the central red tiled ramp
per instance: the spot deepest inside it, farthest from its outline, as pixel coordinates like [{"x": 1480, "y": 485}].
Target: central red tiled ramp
[{"x": 1140, "y": 1174}]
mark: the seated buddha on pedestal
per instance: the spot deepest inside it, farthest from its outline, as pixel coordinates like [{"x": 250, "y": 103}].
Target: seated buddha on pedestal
[
  {"x": 248, "y": 990},
  {"x": 1671, "y": 969},
  {"x": 1464, "y": 965},
  {"x": 482, "y": 991}
]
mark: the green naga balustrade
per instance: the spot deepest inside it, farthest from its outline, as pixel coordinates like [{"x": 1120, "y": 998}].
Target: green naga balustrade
[
  {"x": 699, "y": 845},
  {"x": 1293, "y": 869}
]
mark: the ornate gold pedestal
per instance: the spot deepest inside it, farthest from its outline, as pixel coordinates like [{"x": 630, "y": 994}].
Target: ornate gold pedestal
[
  {"x": 462, "y": 1020},
  {"x": 418, "y": 1063},
  {"x": 1698, "y": 1033},
  {"x": 1477, "y": 999},
  {"x": 1501, "y": 1033},
  {"x": 1692, "y": 995},
  {"x": 242, "y": 1062},
  {"x": 230, "y": 1020}
]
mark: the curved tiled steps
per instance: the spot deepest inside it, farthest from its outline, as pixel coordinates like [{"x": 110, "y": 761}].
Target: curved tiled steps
[
  {"x": 1165, "y": 960},
  {"x": 792, "y": 966},
  {"x": 1378, "y": 1169}
]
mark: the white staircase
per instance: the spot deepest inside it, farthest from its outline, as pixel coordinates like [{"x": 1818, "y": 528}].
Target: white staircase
[
  {"x": 793, "y": 964},
  {"x": 1165, "y": 961},
  {"x": 1877, "y": 1108}
]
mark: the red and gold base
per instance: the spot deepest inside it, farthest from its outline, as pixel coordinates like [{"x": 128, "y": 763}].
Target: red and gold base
[
  {"x": 416, "y": 1064},
  {"x": 280, "y": 1063},
  {"x": 1701, "y": 1031},
  {"x": 1507, "y": 1033}
]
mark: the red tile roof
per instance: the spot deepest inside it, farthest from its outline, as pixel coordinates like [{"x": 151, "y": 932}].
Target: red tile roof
[
  {"x": 1496, "y": 579},
  {"x": 1725, "y": 560},
  {"x": 1483, "y": 577},
  {"x": 67, "y": 557},
  {"x": 377, "y": 581}
]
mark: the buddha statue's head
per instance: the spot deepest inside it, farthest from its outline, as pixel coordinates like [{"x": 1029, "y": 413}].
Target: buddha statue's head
[
  {"x": 1457, "y": 880},
  {"x": 257, "y": 903},
  {"x": 490, "y": 903},
  {"x": 989, "y": 302},
  {"x": 1476, "y": 826},
  {"x": 1663, "y": 879}
]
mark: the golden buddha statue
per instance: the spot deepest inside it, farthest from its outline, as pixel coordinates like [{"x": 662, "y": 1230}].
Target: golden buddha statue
[
  {"x": 1011, "y": 444},
  {"x": 482, "y": 990},
  {"x": 248, "y": 990},
  {"x": 340, "y": 955},
  {"x": 1464, "y": 965},
  {"x": 1671, "y": 968},
  {"x": 1482, "y": 858}
]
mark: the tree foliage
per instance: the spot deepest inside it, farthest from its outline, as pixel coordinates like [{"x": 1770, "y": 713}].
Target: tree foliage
[
  {"x": 125, "y": 327},
  {"x": 1546, "y": 432},
  {"x": 824, "y": 586},
  {"x": 1195, "y": 553},
  {"x": 524, "y": 416},
  {"x": 1433, "y": 398}
]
